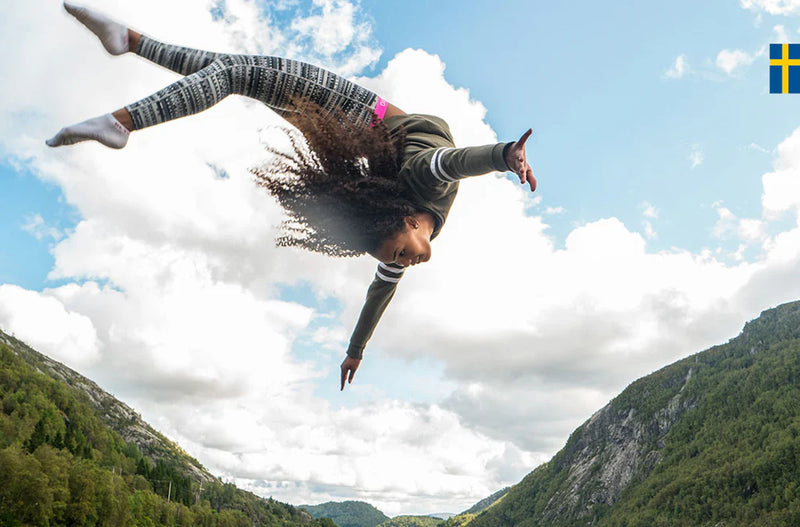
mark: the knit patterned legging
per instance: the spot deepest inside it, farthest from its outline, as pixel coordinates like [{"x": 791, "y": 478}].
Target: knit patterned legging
[{"x": 210, "y": 77}]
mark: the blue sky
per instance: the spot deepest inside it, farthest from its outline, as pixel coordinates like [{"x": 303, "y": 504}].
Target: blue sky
[
  {"x": 611, "y": 132},
  {"x": 666, "y": 216}
]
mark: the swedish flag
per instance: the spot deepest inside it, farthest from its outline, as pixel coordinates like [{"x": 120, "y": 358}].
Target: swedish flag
[{"x": 784, "y": 68}]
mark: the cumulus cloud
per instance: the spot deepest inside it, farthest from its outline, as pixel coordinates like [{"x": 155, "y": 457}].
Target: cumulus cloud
[
  {"x": 650, "y": 212},
  {"x": 773, "y": 7},
  {"x": 401, "y": 82},
  {"x": 758, "y": 148},
  {"x": 337, "y": 32},
  {"x": 44, "y": 323},
  {"x": 748, "y": 232},
  {"x": 782, "y": 185},
  {"x": 731, "y": 60},
  {"x": 780, "y": 33},
  {"x": 726, "y": 220},
  {"x": 696, "y": 156},
  {"x": 649, "y": 230},
  {"x": 678, "y": 69},
  {"x": 36, "y": 225},
  {"x": 551, "y": 211}
]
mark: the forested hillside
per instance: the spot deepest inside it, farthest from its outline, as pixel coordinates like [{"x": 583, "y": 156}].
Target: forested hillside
[
  {"x": 713, "y": 439},
  {"x": 411, "y": 521},
  {"x": 348, "y": 513},
  {"x": 61, "y": 464},
  {"x": 468, "y": 515}
]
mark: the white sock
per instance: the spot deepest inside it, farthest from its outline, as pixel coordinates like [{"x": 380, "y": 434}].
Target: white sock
[
  {"x": 104, "y": 129},
  {"x": 113, "y": 35}
]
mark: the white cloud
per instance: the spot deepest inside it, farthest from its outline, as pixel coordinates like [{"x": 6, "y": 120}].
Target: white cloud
[
  {"x": 782, "y": 185},
  {"x": 731, "y": 60},
  {"x": 752, "y": 230},
  {"x": 44, "y": 323},
  {"x": 696, "y": 156},
  {"x": 748, "y": 231},
  {"x": 414, "y": 81},
  {"x": 336, "y": 30},
  {"x": 551, "y": 211},
  {"x": 773, "y": 7},
  {"x": 726, "y": 221},
  {"x": 36, "y": 225},
  {"x": 678, "y": 69},
  {"x": 333, "y": 30},
  {"x": 758, "y": 148},
  {"x": 780, "y": 33},
  {"x": 649, "y": 210},
  {"x": 649, "y": 231}
]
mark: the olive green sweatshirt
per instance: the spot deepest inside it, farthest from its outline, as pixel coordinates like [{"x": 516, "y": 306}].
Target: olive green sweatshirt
[{"x": 431, "y": 167}]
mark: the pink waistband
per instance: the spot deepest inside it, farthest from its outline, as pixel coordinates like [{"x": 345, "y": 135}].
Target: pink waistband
[{"x": 380, "y": 110}]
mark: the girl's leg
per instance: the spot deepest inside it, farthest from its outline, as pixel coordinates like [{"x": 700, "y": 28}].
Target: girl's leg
[
  {"x": 176, "y": 58},
  {"x": 211, "y": 77},
  {"x": 275, "y": 81},
  {"x": 118, "y": 39}
]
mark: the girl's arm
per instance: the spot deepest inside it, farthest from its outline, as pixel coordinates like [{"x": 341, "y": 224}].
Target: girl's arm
[
  {"x": 379, "y": 295},
  {"x": 448, "y": 164}
]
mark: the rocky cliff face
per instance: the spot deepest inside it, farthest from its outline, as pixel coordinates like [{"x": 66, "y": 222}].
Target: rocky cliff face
[
  {"x": 616, "y": 446},
  {"x": 711, "y": 437},
  {"x": 119, "y": 416}
]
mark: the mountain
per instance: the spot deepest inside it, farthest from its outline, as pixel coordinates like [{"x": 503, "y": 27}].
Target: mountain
[
  {"x": 713, "y": 439},
  {"x": 485, "y": 503},
  {"x": 412, "y": 521},
  {"x": 441, "y": 515},
  {"x": 468, "y": 515},
  {"x": 71, "y": 454},
  {"x": 348, "y": 513}
]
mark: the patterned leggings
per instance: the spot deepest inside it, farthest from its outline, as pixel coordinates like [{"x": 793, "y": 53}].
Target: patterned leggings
[{"x": 210, "y": 77}]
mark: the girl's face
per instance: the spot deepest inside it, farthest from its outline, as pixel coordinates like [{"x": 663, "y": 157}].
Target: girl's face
[{"x": 409, "y": 247}]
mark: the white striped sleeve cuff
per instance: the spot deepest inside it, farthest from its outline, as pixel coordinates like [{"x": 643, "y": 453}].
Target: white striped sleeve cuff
[
  {"x": 390, "y": 272},
  {"x": 437, "y": 167}
]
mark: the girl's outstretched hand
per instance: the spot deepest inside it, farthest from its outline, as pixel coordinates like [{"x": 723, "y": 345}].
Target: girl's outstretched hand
[
  {"x": 349, "y": 367},
  {"x": 518, "y": 163}
]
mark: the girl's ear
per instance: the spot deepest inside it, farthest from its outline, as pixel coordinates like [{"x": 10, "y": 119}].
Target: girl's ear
[{"x": 412, "y": 222}]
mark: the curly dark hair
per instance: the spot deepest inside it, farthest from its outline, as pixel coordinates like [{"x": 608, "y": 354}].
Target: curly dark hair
[{"x": 338, "y": 183}]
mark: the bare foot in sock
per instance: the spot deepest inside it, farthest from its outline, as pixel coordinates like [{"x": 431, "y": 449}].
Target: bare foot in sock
[
  {"x": 113, "y": 35},
  {"x": 104, "y": 129}
]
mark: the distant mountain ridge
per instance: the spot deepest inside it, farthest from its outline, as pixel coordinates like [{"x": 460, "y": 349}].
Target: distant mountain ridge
[
  {"x": 713, "y": 439},
  {"x": 362, "y": 514},
  {"x": 348, "y": 513},
  {"x": 412, "y": 521},
  {"x": 485, "y": 503}
]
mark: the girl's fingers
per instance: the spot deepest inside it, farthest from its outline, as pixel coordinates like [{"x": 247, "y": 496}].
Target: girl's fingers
[
  {"x": 524, "y": 137},
  {"x": 531, "y": 180}
]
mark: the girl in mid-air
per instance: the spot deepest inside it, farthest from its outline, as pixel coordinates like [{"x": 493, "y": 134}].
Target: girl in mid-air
[{"x": 370, "y": 178}]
